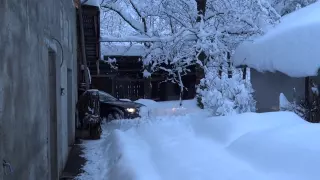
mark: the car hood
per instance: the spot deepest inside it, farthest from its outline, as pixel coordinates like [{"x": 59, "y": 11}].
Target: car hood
[{"x": 125, "y": 104}]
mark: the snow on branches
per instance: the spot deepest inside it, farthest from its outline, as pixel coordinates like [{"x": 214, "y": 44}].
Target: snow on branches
[
  {"x": 284, "y": 7},
  {"x": 225, "y": 95}
]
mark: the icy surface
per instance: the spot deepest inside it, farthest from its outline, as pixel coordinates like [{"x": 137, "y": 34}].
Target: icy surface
[
  {"x": 193, "y": 146},
  {"x": 291, "y": 47}
]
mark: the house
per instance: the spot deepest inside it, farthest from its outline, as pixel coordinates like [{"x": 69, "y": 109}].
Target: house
[
  {"x": 269, "y": 85},
  {"x": 38, "y": 87},
  {"x": 127, "y": 81},
  {"x": 286, "y": 60}
]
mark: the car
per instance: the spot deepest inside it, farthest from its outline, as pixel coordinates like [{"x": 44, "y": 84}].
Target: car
[{"x": 112, "y": 108}]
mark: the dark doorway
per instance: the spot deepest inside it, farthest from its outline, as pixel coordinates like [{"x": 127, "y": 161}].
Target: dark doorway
[{"x": 52, "y": 129}]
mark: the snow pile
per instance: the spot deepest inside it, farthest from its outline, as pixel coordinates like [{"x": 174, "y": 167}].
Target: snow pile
[
  {"x": 291, "y": 47},
  {"x": 131, "y": 157},
  {"x": 290, "y": 152},
  {"x": 227, "y": 129},
  {"x": 278, "y": 145},
  {"x": 284, "y": 103}
]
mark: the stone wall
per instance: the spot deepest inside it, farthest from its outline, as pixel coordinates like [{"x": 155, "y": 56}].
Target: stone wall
[{"x": 27, "y": 32}]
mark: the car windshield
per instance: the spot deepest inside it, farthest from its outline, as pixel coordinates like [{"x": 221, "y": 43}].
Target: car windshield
[{"x": 106, "y": 97}]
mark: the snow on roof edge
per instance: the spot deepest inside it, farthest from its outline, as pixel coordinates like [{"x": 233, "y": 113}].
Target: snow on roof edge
[
  {"x": 122, "y": 50},
  {"x": 291, "y": 47}
]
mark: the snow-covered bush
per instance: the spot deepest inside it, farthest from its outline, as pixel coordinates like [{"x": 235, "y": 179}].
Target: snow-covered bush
[
  {"x": 226, "y": 96},
  {"x": 300, "y": 108},
  {"x": 227, "y": 24},
  {"x": 314, "y": 106},
  {"x": 306, "y": 109}
]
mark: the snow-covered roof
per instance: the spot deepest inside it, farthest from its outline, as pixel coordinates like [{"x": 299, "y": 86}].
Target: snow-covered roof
[
  {"x": 291, "y": 47},
  {"x": 122, "y": 50}
]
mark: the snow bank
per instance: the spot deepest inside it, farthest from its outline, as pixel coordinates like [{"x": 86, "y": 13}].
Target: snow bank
[
  {"x": 131, "y": 158},
  {"x": 277, "y": 145},
  {"x": 284, "y": 103},
  {"x": 227, "y": 129},
  {"x": 292, "y": 151},
  {"x": 171, "y": 150},
  {"x": 147, "y": 102},
  {"x": 291, "y": 47}
]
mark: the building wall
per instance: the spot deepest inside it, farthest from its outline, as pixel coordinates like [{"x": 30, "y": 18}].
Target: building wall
[
  {"x": 268, "y": 87},
  {"x": 26, "y": 31}
]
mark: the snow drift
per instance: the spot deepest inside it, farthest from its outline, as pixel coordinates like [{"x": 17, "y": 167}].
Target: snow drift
[
  {"x": 290, "y": 152},
  {"x": 291, "y": 47},
  {"x": 251, "y": 146}
]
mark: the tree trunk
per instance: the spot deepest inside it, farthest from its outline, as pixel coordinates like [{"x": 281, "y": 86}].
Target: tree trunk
[
  {"x": 181, "y": 88},
  {"x": 229, "y": 65},
  {"x": 244, "y": 75},
  {"x": 201, "y": 8}
]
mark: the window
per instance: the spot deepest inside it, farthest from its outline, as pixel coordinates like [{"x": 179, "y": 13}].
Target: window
[{"x": 106, "y": 97}]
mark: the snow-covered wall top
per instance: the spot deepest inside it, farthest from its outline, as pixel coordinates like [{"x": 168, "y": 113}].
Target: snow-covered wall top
[
  {"x": 122, "y": 50},
  {"x": 291, "y": 47}
]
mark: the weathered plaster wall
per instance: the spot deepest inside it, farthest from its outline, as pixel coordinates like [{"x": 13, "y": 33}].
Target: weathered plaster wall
[
  {"x": 26, "y": 27},
  {"x": 268, "y": 87}
]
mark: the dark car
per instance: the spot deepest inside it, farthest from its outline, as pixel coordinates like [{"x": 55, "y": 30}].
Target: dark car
[{"x": 112, "y": 108}]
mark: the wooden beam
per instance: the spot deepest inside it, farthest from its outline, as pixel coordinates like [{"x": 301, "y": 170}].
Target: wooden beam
[{"x": 83, "y": 50}]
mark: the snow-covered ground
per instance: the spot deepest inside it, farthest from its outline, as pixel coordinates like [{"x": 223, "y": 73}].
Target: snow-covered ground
[
  {"x": 169, "y": 108},
  {"x": 193, "y": 146}
]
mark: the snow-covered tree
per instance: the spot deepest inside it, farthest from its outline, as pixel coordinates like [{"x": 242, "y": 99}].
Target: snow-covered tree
[
  {"x": 224, "y": 95},
  {"x": 284, "y": 7},
  {"x": 183, "y": 33},
  {"x": 234, "y": 21}
]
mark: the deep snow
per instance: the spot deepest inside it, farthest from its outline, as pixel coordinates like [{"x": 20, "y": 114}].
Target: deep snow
[
  {"x": 291, "y": 47},
  {"x": 193, "y": 146}
]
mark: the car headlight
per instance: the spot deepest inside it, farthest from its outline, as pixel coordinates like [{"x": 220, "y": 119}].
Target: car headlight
[{"x": 131, "y": 110}]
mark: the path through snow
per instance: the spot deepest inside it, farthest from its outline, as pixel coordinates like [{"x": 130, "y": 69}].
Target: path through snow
[{"x": 192, "y": 146}]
